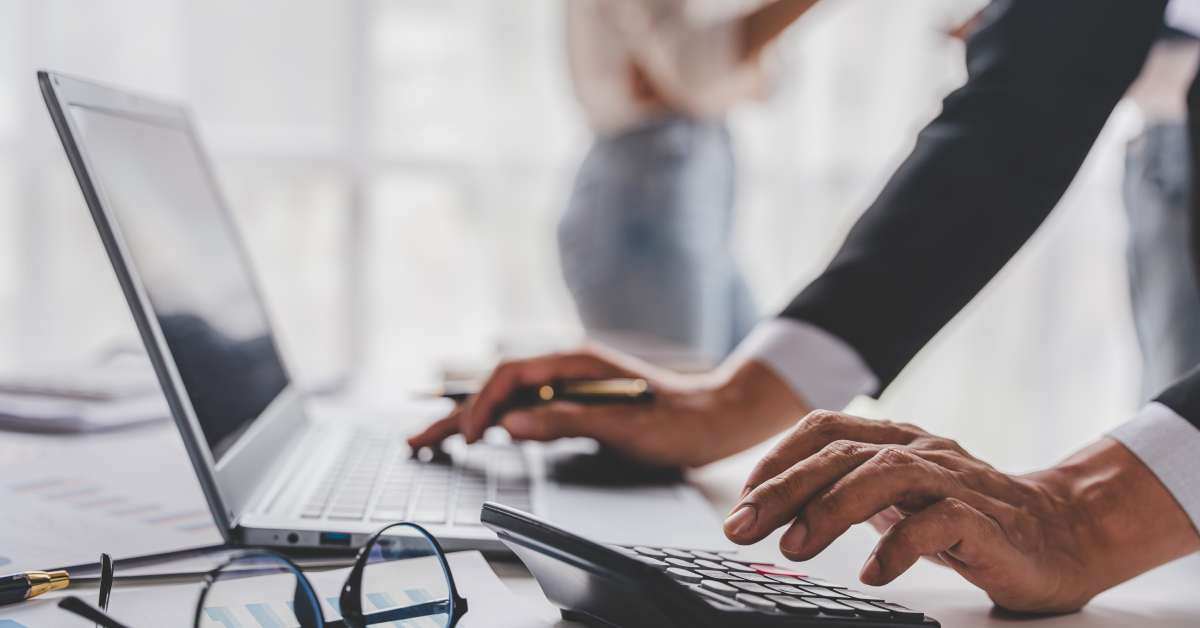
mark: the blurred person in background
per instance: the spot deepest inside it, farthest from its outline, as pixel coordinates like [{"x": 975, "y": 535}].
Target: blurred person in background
[
  {"x": 646, "y": 237},
  {"x": 1043, "y": 79},
  {"x": 1164, "y": 291}
]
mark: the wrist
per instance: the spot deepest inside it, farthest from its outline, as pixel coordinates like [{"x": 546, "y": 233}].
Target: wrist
[
  {"x": 1122, "y": 519},
  {"x": 752, "y": 403}
]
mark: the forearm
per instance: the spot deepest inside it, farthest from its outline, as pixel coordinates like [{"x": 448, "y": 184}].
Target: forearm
[{"x": 1125, "y": 519}]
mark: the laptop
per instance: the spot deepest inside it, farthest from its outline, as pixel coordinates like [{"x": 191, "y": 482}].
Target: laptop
[{"x": 273, "y": 473}]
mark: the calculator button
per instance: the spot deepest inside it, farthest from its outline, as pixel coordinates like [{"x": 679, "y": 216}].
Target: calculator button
[
  {"x": 716, "y": 599},
  {"x": 751, "y": 587},
  {"x": 653, "y": 562},
  {"x": 708, "y": 564},
  {"x": 867, "y": 609},
  {"x": 718, "y": 587},
  {"x": 772, "y": 570},
  {"x": 624, "y": 550},
  {"x": 830, "y": 606},
  {"x": 794, "y": 605},
  {"x": 823, "y": 583},
  {"x": 717, "y": 575},
  {"x": 900, "y": 611},
  {"x": 707, "y": 555},
  {"x": 754, "y": 601},
  {"x": 787, "y": 588},
  {"x": 650, "y": 551},
  {"x": 789, "y": 580},
  {"x": 753, "y": 577},
  {"x": 827, "y": 593},
  {"x": 859, "y": 595},
  {"x": 686, "y": 564},
  {"x": 684, "y": 575},
  {"x": 677, "y": 553},
  {"x": 733, "y": 565}
]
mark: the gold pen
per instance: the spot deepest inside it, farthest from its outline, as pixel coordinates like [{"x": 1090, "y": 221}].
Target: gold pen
[
  {"x": 588, "y": 391},
  {"x": 30, "y": 584}
]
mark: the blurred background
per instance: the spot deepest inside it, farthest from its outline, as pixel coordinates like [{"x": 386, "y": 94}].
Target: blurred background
[{"x": 399, "y": 167}]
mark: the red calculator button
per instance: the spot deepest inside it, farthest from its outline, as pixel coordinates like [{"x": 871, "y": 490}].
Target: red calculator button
[{"x": 772, "y": 570}]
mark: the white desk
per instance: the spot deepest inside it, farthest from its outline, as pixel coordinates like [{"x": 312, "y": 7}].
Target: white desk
[{"x": 1169, "y": 596}]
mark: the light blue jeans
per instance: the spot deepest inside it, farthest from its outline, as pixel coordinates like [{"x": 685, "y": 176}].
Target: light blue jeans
[
  {"x": 645, "y": 240},
  {"x": 1162, "y": 278}
]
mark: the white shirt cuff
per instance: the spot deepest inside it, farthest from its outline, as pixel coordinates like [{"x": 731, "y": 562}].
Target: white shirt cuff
[
  {"x": 1167, "y": 444},
  {"x": 818, "y": 366}
]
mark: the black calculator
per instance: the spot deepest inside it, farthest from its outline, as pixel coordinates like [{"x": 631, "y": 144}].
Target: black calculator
[{"x": 609, "y": 586}]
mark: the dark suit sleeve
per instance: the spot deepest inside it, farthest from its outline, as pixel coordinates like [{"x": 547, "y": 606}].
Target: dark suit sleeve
[
  {"x": 1184, "y": 397},
  {"x": 1044, "y": 75}
]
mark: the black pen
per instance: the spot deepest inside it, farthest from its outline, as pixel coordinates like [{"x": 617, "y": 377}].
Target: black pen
[
  {"x": 30, "y": 584},
  {"x": 588, "y": 391}
]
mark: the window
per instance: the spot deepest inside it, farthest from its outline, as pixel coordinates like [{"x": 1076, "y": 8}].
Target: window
[{"x": 399, "y": 168}]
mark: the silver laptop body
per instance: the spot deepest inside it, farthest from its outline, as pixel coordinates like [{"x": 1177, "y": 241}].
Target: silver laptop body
[{"x": 273, "y": 474}]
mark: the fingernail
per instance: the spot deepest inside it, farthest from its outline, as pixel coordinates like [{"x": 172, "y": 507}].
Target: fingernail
[
  {"x": 871, "y": 571},
  {"x": 741, "y": 520},
  {"x": 793, "y": 539}
]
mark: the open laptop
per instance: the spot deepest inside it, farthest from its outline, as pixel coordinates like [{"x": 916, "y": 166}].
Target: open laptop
[{"x": 273, "y": 474}]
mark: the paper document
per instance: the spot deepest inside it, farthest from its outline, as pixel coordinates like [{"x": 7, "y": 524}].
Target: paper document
[
  {"x": 65, "y": 500},
  {"x": 120, "y": 393},
  {"x": 26, "y": 413}
]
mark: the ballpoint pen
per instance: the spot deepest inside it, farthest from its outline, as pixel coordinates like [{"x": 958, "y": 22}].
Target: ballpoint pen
[{"x": 30, "y": 584}]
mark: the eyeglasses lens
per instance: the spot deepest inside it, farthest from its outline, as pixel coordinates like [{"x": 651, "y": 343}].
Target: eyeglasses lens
[
  {"x": 259, "y": 591},
  {"x": 404, "y": 584}
]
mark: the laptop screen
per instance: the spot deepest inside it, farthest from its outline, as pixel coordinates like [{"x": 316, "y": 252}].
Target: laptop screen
[{"x": 191, "y": 265}]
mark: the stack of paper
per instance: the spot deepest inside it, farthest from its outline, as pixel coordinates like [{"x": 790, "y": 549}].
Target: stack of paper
[{"x": 84, "y": 399}]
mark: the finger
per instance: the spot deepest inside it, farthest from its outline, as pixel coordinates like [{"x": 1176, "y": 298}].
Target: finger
[
  {"x": 893, "y": 477},
  {"x": 436, "y": 432},
  {"x": 776, "y": 501},
  {"x": 563, "y": 420},
  {"x": 481, "y": 410},
  {"x": 949, "y": 526},
  {"x": 817, "y": 430},
  {"x": 883, "y": 521}
]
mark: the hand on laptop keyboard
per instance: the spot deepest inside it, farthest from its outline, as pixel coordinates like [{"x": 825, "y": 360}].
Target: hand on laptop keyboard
[{"x": 691, "y": 421}]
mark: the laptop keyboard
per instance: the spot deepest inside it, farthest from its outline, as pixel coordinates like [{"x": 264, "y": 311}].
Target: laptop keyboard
[{"x": 374, "y": 480}]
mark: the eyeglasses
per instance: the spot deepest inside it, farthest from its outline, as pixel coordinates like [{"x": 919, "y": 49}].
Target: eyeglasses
[{"x": 400, "y": 574}]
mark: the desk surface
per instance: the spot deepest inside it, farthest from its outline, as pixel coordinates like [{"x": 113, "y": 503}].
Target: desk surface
[{"x": 1165, "y": 597}]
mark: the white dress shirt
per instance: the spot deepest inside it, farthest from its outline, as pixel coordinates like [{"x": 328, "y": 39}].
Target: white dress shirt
[
  {"x": 689, "y": 49},
  {"x": 829, "y": 373}
]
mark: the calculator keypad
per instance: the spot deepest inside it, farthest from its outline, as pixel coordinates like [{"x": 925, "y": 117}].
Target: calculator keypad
[{"x": 727, "y": 582}]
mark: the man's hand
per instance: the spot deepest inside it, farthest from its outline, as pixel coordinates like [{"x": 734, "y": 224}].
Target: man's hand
[
  {"x": 693, "y": 420},
  {"x": 1045, "y": 542}
]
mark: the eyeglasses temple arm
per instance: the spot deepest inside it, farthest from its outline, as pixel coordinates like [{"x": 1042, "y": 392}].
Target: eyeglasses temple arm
[
  {"x": 425, "y": 609},
  {"x": 85, "y": 610},
  {"x": 106, "y": 580}
]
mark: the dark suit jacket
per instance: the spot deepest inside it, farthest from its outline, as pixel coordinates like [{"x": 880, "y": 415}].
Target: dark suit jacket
[{"x": 1044, "y": 76}]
